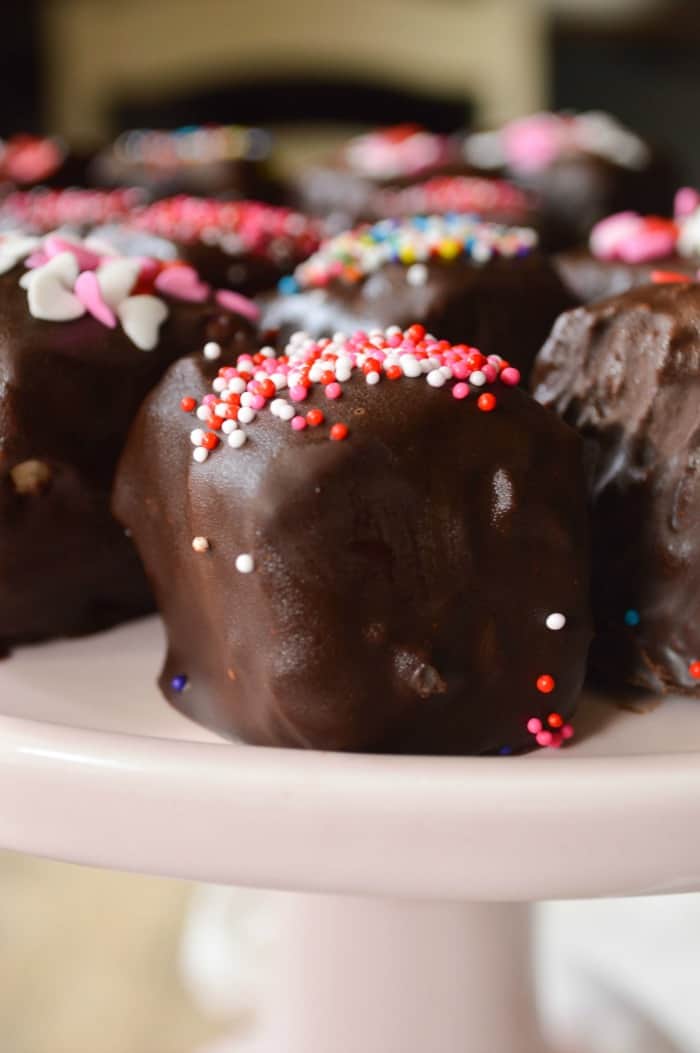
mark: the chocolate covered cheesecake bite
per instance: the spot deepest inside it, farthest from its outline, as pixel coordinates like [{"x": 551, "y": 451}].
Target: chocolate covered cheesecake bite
[
  {"x": 626, "y": 373},
  {"x": 83, "y": 338},
  {"x": 376, "y": 542},
  {"x": 245, "y": 245},
  {"x": 581, "y": 166},
  {"x": 459, "y": 276},
  {"x": 208, "y": 160},
  {"x": 626, "y": 249}
]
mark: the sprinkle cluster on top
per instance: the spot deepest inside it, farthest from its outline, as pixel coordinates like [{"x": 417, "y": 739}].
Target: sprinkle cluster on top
[
  {"x": 282, "y": 384},
  {"x": 355, "y": 254},
  {"x": 68, "y": 277},
  {"x": 392, "y": 153},
  {"x": 192, "y": 145},
  {"x": 44, "y": 210},
  {"x": 531, "y": 144},
  {"x": 234, "y": 226},
  {"x": 455, "y": 194},
  {"x": 632, "y": 238}
]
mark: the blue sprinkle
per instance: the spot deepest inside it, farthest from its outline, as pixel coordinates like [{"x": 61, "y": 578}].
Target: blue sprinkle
[
  {"x": 505, "y": 751},
  {"x": 632, "y": 618},
  {"x": 288, "y": 285},
  {"x": 178, "y": 683}
]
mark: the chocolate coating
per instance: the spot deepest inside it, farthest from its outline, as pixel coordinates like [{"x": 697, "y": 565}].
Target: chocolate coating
[
  {"x": 506, "y": 306},
  {"x": 68, "y": 393},
  {"x": 626, "y": 373},
  {"x": 590, "y": 278},
  {"x": 402, "y": 577}
]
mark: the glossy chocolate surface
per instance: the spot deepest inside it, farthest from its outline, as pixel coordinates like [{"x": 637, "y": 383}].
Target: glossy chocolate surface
[
  {"x": 401, "y": 578},
  {"x": 626, "y": 373}
]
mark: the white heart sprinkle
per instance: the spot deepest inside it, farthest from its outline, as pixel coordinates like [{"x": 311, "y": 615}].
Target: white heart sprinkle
[
  {"x": 14, "y": 248},
  {"x": 141, "y": 318},
  {"x": 116, "y": 279},
  {"x": 48, "y": 293}
]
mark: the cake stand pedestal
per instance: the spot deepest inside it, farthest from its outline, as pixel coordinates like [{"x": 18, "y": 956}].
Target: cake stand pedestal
[{"x": 413, "y": 940}]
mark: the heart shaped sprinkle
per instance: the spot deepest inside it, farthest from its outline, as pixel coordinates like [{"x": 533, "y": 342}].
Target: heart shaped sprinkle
[
  {"x": 116, "y": 279},
  {"x": 48, "y": 291},
  {"x": 141, "y": 318},
  {"x": 182, "y": 283},
  {"x": 55, "y": 244},
  {"x": 87, "y": 289},
  {"x": 13, "y": 248},
  {"x": 233, "y": 301}
]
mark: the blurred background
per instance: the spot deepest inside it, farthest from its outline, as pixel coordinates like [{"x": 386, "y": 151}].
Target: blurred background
[{"x": 89, "y": 961}]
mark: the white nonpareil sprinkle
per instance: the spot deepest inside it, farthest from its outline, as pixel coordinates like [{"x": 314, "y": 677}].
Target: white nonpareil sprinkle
[
  {"x": 200, "y": 544},
  {"x": 245, "y": 564},
  {"x": 417, "y": 274},
  {"x": 202, "y": 413},
  {"x": 212, "y": 350},
  {"x": 236, "y": 439},
  {"x": 218, "y": 385},
  {"x": 286, "y": 411},
  {"x": 228, "y": 426},
  {"x": 410, "y": 366},
  {"x": 246, "y": 414},
  {"x": 555, "y": 621},
  {"x": 196, "y": 437},
  {"x": 373, "y": 377},
  {"x": 435, "y": 378},
  {"x": 477, "y": 378},
  {"x": 200, "y": 454}
]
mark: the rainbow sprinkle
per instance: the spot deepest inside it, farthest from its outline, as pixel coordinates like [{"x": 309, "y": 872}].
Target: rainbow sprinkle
[{"x": 355, "y": 254}]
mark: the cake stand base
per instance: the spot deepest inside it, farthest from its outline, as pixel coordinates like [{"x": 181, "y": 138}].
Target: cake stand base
[{"x": 355, "y": 975}]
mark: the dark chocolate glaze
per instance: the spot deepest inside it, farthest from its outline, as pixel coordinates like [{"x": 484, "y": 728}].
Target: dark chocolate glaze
[
  {"x": 402, "y": 577},
  {"x": 505, "y": 307},
  {"x": 590, "y": 278},
  {"x": 231, "y": 179},
  {"x": 626, "y": 373},
  {"x": 247, "y": 272},
  {"x": 68, "y": 393}
]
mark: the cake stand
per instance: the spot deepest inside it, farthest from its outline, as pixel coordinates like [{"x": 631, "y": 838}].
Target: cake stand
[{"x": 411, "y": 932}]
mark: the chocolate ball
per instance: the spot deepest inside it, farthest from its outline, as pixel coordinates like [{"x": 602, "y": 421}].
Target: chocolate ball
[
  {"x": 386, "y": 558},
  {"x": 458, "y": 276},
  {"x": 70, "y": 385},
  {"x": 626, "y": 373}
]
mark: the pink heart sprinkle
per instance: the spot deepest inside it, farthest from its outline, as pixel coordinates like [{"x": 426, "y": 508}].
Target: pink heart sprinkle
[
  {"x": 37, "y": 259},
  {"x": 87, "y": 260},
  {"x": 686, "y": 201},
  {"x": 87, "y": 289},
  {"x": 149, "y": 268},
  {"x": 182, "y": 283},
  {"x": 233, "y": 301}
]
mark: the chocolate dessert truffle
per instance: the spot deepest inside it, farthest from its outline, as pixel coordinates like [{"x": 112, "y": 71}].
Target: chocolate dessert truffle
[
  {"x": 456, "y": 275},
  {"x": 626, "y": 250},
  {"x": 344, "y": 188},
  {"x": 582, "y": 167},
  {"x": 84, "y": 338},
  {"x": 208, "y": 160},
  {"x": 626, "y": 373},
  {"x": 246, "y": 245},
  {"x": 372, "y": 543}
]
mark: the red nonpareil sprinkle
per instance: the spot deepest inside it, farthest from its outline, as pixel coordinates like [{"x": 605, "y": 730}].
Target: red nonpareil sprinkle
[
  {"x": 209, "y": 440},
  {"x": 314, "y": 417},
  {"x": 669, "y": 277},
  {"x": 545, "y": 683},
  {"x": 555, "y": 720},
  {"x": 339, "y": 431},
  {"x": 188, "y": 404},
  {"x": 694, "y": 670},
  {"x": 486, "y": 402}
]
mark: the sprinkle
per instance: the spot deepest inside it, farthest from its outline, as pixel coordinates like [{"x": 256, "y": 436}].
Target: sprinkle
[
  {"x": 505, "y": 751},
  {"x": 212, "y": 350},
  {"x": 237, "y": 439},
  {"x": 333, "y": 390},
  {"x": 694, "y": 670},
  {"x": 339, "y": 431},
  {"x": 534, "y": 725},
  {"x": 486, "y": 402},
  {"x": 200, "y": 544},
  {"x": 314, "y": 417},
  {"x": 417, "y": 274},
  {"x": 460, "y": 391},
  {"x": 478, "y": 378},
  {"x": 544, "y": 738},
  {"x": 299, "y": 423},
  {"x": 357, "y": 254},
  {"x": 555, "y": 720},
  {"x": 245, "y": 564},
  {"x": 187, "y": 404},
  {"x": 246, "y": 414},
  {"x": 555, "y": 621},
  {"x": 200, "y": 454},
  {"x": 435, "y": 378},
  {"x": 179, "y": 683},
  {"x": 632, "y": 618},
  {"x": 545, "y": 684},
  {"x": 510, "y": 376},
  {"x": 196, "y": 436}
]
